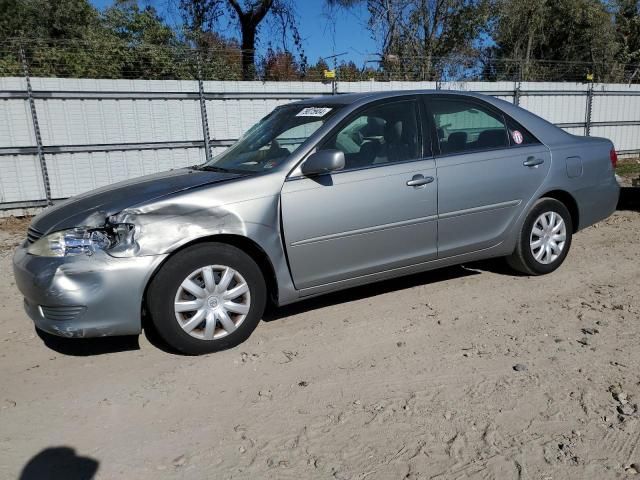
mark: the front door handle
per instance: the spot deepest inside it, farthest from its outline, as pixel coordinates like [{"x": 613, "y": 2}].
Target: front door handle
[
  {"x": 419, "y": 180},
  {"x": 533, "y": 162}
]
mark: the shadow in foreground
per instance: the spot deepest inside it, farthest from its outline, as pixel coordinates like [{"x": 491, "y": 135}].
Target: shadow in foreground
[
  {"x": 59, "y": 463},
  {"x": 357, "y": 293},
  {"x": 629, "y": 199},
  {"x": 378, "y": 288},
  {"x": 83, "y": 347},
  {"x": 154, "y": 338}
]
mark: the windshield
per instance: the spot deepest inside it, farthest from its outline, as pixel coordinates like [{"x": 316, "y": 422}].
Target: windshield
[{"x": 270, "y": 141}]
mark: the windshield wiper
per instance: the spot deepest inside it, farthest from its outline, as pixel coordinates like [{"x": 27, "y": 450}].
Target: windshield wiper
[{"x": 213, "y": 168}]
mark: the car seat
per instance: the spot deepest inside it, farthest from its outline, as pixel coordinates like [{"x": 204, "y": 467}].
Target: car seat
[
  {"x": 394, "y": 148},
  {"x": 456, "y": 142},
  {"x": 492, "y": 139}
]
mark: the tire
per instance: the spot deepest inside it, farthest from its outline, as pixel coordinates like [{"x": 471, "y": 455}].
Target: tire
[
  {"x": 194, "y": 290},
  {"x": 528, "y": 248}
]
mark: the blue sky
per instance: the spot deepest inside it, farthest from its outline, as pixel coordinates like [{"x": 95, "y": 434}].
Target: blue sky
[{"x": 324, "y": 32}]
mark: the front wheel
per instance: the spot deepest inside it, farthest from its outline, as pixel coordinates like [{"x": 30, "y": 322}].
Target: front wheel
[
  {"x": 545, "y": 238},
  {"x": 207, "y": 298}
]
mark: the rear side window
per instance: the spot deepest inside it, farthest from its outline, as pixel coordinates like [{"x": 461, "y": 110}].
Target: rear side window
[
  {"x": 518, "y": 135},
  {"x": 464, "y": 126}
]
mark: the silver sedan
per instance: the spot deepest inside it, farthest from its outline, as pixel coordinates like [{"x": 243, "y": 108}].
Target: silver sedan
[{"x": 320, "y": 195}]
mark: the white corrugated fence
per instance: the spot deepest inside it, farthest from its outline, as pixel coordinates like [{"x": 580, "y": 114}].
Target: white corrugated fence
[{"x": 96, "y": 132}]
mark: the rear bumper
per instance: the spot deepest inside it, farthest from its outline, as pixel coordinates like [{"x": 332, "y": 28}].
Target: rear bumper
[
  {"x": 598, "y": 202},
  {"x": 84, "y": 296}
]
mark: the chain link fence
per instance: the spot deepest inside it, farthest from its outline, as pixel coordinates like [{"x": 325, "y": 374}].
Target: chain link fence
[{"x": 111, "y": 58}]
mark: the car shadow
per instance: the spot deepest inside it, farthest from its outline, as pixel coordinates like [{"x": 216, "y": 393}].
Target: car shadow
[
  {"x": 83, "y": 347},
  {"x": 274, "y": 313},
  {"x": 153, "y": 337},
  {"x": 105, "y": 345},
  {"x": 382, "y": 287},
  {"x": 59, "y": 463},
  {"x": 629, "y": 199}
]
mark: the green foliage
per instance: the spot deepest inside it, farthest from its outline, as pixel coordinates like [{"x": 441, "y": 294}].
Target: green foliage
[
  {"x": 316, "y": 72},
  {"x": 43, "y": 22},
  {"x": 628, "y": 168},
  {"x": 220, "y": 58},
  {"x": 345, "y": 72},
  {"x": 539, "y": 34},
  {"x": 424, "y": 39},
  {"x": 46, "y": 19},
  {"x": 348, "y": 72},
  {"x": 144, "y": 46},
  {"x": 70, "y": 38},
  {"x": 278, "y": 65},
  {"x": 627, "y": 22},
  {"x": 506, "y": 39},
  {"x": 418, "y": 40}
]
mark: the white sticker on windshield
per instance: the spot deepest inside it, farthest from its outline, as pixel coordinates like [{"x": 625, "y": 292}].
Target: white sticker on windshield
[{"x": 313, "y": 112}]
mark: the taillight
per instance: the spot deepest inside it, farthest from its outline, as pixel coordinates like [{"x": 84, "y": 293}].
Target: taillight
[{"x": 614, "y": 157}]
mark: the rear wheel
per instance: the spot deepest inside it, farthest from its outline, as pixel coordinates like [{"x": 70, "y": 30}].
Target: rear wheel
[
  {"x": 207, "y": 298},
  {"x": 545, "y": 238}
]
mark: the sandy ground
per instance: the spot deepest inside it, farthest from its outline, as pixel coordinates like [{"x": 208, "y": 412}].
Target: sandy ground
[{"x": 411, "y": 378}]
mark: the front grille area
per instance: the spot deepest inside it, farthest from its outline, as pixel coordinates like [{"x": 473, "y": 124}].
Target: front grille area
[
  {"x": 33, "y": 235},
  {"x": 62, "y": 314}
]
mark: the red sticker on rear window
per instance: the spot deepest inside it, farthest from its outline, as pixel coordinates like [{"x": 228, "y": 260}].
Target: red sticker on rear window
[{"x": 517, "y": 137}]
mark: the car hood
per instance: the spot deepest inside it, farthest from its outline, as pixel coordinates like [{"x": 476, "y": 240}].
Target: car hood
[{"x": 93, "y": 207}]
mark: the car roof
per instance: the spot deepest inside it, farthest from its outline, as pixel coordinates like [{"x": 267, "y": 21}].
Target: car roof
[{"x": 350, "y": 98}]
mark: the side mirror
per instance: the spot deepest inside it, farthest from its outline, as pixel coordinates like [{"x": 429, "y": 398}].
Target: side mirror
[{"x": 323, "y": 161}]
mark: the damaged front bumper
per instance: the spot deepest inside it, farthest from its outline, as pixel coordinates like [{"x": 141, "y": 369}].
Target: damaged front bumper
[{"x": 84, "y": 296}]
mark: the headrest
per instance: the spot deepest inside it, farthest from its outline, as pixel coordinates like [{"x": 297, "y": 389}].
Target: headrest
[
  {"x": 374, "y": 127},
  {"x": 457, "y": 138},
  {"x": 492, "y": 138},
  {"x": 393, "y": 131}
]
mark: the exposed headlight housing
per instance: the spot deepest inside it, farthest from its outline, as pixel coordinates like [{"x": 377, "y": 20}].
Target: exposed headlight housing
[{"x": 78, "y": 241}]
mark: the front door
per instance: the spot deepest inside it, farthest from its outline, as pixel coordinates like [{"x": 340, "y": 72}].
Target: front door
[
  {"x": 378, "y": 213},
  {"x": 488, "y": 169}
]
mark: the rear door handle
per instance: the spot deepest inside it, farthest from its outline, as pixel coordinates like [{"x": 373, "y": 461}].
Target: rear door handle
[
  {"x": 419, "y": 180},
  {"x": 533, "y": 162}
]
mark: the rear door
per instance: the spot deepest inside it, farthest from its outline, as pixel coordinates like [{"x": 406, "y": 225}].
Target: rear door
[
  {"x": 378, "y": 213},
  {"x": 488, "y": 168}
]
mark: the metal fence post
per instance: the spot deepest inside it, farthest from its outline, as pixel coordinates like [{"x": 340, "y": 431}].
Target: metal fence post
[
  {"x": 36, "y": 128},
  {"x": 203, "y": 113},
  {"x": 517, "y": 85},
  {"x": 587, "y": 122}
]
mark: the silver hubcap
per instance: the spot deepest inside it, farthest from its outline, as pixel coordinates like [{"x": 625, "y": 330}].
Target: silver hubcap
[
  {"x": 212, "y": 302},
  {"x": 548, "y": 237}
]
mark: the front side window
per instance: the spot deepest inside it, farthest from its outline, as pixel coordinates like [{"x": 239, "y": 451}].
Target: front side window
[
  {"x": 270, "y": 142},
  {"x": 464, "y": 126},
  {"x": 382, "y": 134}
]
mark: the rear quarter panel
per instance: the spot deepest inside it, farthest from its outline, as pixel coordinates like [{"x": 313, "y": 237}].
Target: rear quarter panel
[{"x": 582, "y": 167}]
